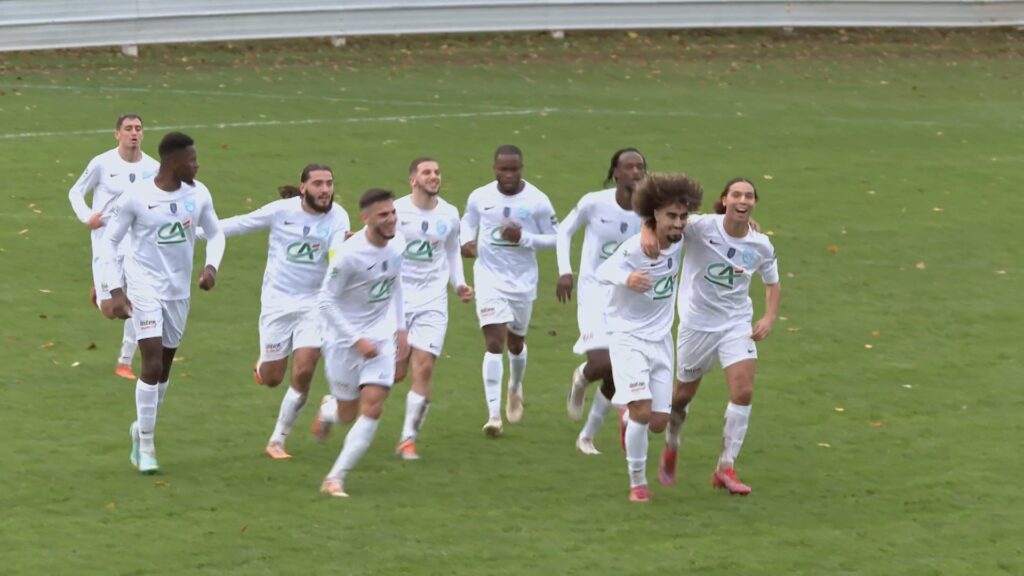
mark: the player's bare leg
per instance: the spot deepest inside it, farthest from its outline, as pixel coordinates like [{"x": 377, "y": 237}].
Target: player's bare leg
[
  {"x": 357, "y": 441},
  {"x": 303, "y": 368}
]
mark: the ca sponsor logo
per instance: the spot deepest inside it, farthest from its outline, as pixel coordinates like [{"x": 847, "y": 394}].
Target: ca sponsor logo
[
  {"x": 609, "y": 248},
  {"x": 663, "y": 288},
  {"x": 381, "y": 291},
  {"x": 497, "y": 240},
  {"x": 302, "y": 252},
  {"x": 419, "y": 250},
  {"x": 172, "y": 232},
  {"x": 721, "y": 274}
]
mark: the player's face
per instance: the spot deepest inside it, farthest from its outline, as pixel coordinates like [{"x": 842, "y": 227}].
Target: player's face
[
  {"x": 739, "y": 201},
  {"x": 186, "y": 165},
  {"x": 670, "y": 221},
  {"x": 382, "y": 218},
  {"x": 630, "y": 170},
  {"x": 318, "y": 191},
  {"x": 426, "y": 179},
  {"x": 129, "y": 135},
  {"x": 508, "y": 171}
]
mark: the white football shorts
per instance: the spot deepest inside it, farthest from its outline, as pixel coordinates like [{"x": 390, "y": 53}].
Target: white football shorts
[
  {"x": 515, "y": 313},
  {"x": 282, "y": 331},
  {"x": 642, "y": 370},
  {"x": 697, "y": 351},
  {"x": 426, "y": 330},
  {"x": 155, "y": 318},
  {"x": 347, "y": 370}
]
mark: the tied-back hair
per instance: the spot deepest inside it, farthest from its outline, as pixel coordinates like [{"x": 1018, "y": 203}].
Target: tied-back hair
[
  {"x": 656, "y": 191},
  {"x": 615, "y": 163},
  {"x": 288, "y": 191},
  {"x": 720, "y": 205},
  {"x": 174, "y": 142},
  {"x": 374, "y": 195}
]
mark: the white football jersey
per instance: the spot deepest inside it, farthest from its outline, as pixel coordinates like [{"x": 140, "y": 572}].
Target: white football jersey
[
  {"x": 431, "y": 256},
  {"x": 107, "y": 176},
  {"x": 646, "y": 315},
  {"x": 297, "y": 249},
  {"x": 361, "y": 295},
  {"x": 162, "y": 227},
  {"x": 715, "y": 294},
  {"x": 607, "y": 226},
  {"x": 504, "y": 269}
]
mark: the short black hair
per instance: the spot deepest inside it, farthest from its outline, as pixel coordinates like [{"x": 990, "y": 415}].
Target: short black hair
[
  {"x": 374, "y": 195},
  {"x": 174, "y": 142},
  {"x": 415, "y": 164},
  {"x": 128, "y": 116},
  {"x": 313, "y": 168},
  {"x": 508, "y": 150},
  {"x": 615, "y": 162}
]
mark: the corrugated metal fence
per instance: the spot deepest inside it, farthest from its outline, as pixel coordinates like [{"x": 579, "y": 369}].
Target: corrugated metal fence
[{"x": 44, "y": 24}]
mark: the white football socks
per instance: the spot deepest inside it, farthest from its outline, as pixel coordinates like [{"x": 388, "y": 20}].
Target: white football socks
[
  {"x": 598, "y": 408},
  {"x": 493, "y": 372},
  {"x": 146, "y": 400},
  {"x": 329, "y": 410},
  {"x": 733, "y": 433},
  {"x": 128, "y": 343},
  {"x": 636, "y": 452},
  {"x": 357, "y": 441},
  {"x": 516, "y": 371},
  {"x": 161, "y": 392},
  {"x": 416, "y": 407},
  {"x": 291, "y": 407}
]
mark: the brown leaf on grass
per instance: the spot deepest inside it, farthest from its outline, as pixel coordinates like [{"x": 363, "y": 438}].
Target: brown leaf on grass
[
  {"x": 21, "y": 232},
  {"x": 110, "y": 506},
  {"x": 876, "y": 424},
  {"x": 824, "y": 445},
  {"x": 839, "y": 409},
  {"x": 244, "y": 528},
  {"x": 868, "y": 346},
  {"x": 1000, "y": 272},
  {"x": 552, "y": 333},
  {"x": 225, "y": 146},
  {"x": 43, "y": 316},
  {"x": 48, "y": 344},
  {"x": 936, "y": 209},
  {"x": 91, "y": 346},
  {"x": 793, "y": 330},
  {"x": 876, "y": 333},
  {"x": 161, "y": 483},
  {"x": 768, "y": 177},
  {"x": 920, "y": 266},
  {"x": 832, "y": 249},
  {"x": 45, "y": 291}
]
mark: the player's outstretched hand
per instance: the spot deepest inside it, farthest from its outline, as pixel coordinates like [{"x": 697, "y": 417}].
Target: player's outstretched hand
[
  {"x": 208, "y": 278},
  {"x": 465, "y": 293},
  {"x": 563, "y": 289},
  {"x": 649, "y": 242},
  {"x": 469, "y": 249},
  {"x": 639, "y": 282},
  {"x": 366, "y": 348},
  {"x": 512, "y": 232},
  {"x": 403, "y": 345},
  {"x": 762, "y": 329}
]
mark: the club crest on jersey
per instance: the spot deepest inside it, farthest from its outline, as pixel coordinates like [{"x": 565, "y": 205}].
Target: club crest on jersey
[
  {"x": 131, "y": 177},
  {"x": 305, "y": 230},
  {"x": 174, "y": 207},
  {"x": 190, "y": 205},
  {"x": 384, "y": 266},
  {"x": 670, "y": 263},
  {"x": 323, "y": 230},
  {"x": 623, "y": 227},
  {"x": 424, "y": 226},
  {"x": 442, "y": 228},
  {"x": 506, "y": 211},
  {"x": 730, "y": 253}
]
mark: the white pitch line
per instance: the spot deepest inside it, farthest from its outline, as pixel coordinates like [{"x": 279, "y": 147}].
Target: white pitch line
[
  {"x": 183, "y": 92},
  {"x": 304, "y": 122}
]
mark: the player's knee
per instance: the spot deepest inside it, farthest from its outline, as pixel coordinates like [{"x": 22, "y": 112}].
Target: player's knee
[
  {"x": 742, "y": 395},
  {"x": 347, "y": 412},
  {"x": 372, "y": 410},
  {"x": 640, "y": 412},
  {"x": 659, "y": 421}
]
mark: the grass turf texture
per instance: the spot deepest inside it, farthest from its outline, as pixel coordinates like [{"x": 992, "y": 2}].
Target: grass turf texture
[{"x": 886, "y": 424}]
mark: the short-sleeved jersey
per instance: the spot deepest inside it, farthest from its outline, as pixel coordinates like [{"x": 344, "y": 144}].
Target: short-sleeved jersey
[
  {"x": 297, "y": 249},
  {"x": 646, "y": 315},
  {"x": 715, "y": 292},
  {"x": 607, "y": 226},
  {"x": 362, "y": 285},
  {"x": 107, "y": 176},
  {"x": 504, "y": 269},
  {"x": 431, "y": 256},
  {"x": 162, "y": 228}
]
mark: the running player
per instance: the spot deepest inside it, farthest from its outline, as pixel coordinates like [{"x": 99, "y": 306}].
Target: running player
[
  {"x": 514, "y": 219},
  {"x": 431, "y": 261},
  {"x": 161, "y": 215},
  {"x": 364, "y": 330},
  {"x": 639, "y": 316},
  {"x": 107, "y": 176},
  {"x": 609, "y": 219},
  {"x": 716, "y": 322}
]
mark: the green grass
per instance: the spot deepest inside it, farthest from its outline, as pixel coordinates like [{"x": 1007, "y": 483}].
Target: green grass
[{"x": 896, "y": 148}]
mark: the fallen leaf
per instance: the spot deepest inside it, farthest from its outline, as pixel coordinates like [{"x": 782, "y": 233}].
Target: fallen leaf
[
  {"x": 179, "y": 359},
  {"x": 876, "y": 424},
  {"x": 110, "y": 506},
  {"x": 23, "y": 232},
  {"x": 244, "y": 528},
  {"x": 47, "y": 345},
  {"x": 792, "y": 330},
  {"x": 838, "y": 409},
  {"x": 43, "y": 316},
  {"x": 224, "y": 146},
  {"x": 770, "y": 232},
  {"x": 783, "y": 318},
  {"x": 552, "y": 333},
  {"x": 832, "y": 248},
  {"x": 1001, "y": 272},
  {"x": 91, "y": 346},
  {"x": 824, "y": 445},
  {"x": 632, "y": 35},
  {"x": 161, "y": 483},
  {"x": 908, "y": 385},
  {"x": 768, "y": 177},
  {"x": 919, "y": 266},
  {"x": 939, "y": 134},
  {"x": 871, "y": 192},
  {"x": 790, "y": 275},
  {"x": 876, "y": 333},
  {"x": 868, "y": 346},
  {"x": 75, "y": 364},
  {"x": 936, "y": 209},
  {"x": 45, "y": 291}
]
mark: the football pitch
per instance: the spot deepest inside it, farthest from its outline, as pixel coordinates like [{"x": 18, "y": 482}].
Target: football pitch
[{"x": 886, "y": 430}]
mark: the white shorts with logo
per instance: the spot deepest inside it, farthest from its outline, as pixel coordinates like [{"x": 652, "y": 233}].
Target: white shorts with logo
[
  {"x": 697, "y": 350},
  {"x": 591, "y": 304},
  {"x": 642, "y": 370},
  {"x": 347, "y": 370},
  {"x": 427, "y": 329},
  {"x": 282, "y": 331},
  {"x": 515, "y": 313},
  {"x": 155, "y": 318},
  {"x": 98, "y": 284}
]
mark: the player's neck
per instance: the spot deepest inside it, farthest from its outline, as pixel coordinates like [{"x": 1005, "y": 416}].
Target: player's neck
[
  {"x": 624, "y": 198},
  {"x": 519, "y": 188},
  {"x": 129, "y": 154},
  {"x": 167, "y": 182},
  {"x": 735, "y": 228},
  {"x": 375, "y": 239},
  {"x": 424, "y": 201}
]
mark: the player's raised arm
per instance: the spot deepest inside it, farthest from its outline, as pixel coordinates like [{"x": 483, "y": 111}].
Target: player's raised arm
[
  {"x": 85, "y": 183},
  {"x": 259, "y": 219}
]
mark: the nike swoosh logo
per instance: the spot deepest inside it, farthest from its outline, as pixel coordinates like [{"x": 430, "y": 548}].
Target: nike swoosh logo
[
  {"x": 151, "y": 206},
  {"x": 750, "y": 351},
  {"x": 603, "y": 221},
  {"x": 713, "y": 243},
  {"x": 404, "y": 222},
  {"x": 113, "y": 175},
  {"x": 488, "y": 207},
  {"x": 287, "y": 223},
  {"x": 371, "y": 266}
]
